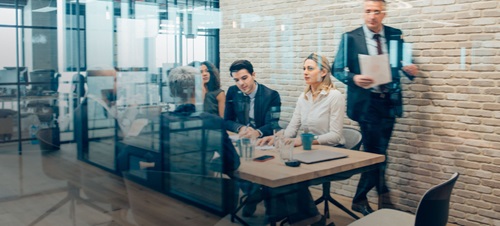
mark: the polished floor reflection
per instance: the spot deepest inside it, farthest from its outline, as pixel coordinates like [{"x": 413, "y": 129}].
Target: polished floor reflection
[{"x": 53, "y": 188}]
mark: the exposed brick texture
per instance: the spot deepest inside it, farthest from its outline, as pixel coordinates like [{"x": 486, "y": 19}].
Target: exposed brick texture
[{"x": 452, "y": 112}]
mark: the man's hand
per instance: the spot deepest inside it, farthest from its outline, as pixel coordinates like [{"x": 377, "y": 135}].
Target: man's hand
[
  {"x": 411, "y": 69},
  {"x": 363, "y": 81},
  {"x": 248, "y": 132},
  {"x": 269, "y": 140}
]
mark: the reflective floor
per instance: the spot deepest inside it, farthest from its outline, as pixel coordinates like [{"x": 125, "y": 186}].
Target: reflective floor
[{"x": 53, "y": 188}]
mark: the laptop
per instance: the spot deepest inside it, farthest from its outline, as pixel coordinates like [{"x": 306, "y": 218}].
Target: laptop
[{"x": 315, "y": 156}]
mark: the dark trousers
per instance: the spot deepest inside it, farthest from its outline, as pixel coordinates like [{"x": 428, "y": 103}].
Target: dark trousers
[
  {"x": 376, "y": 128},
  {"x": 294, "y": 203}
]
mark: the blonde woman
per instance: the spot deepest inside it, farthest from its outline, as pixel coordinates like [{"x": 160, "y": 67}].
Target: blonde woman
[{"x": 319, "y": 109}]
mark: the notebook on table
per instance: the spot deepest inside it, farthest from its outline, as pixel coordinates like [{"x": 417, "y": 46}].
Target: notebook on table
[{"x": 315, "y": 156}]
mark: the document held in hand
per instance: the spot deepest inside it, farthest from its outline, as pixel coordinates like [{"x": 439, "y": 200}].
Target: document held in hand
[{"x": 376, "y": 66}]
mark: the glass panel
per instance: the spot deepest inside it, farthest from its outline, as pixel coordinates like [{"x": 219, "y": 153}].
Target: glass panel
[
  {"x": 100, "y": 110},
  {"x": 8, "y": 56},
  {"x": 8, "y": 107},
  {"x": 9, "y": 16}
]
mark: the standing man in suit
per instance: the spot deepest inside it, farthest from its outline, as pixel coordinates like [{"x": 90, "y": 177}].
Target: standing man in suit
[
  {"x": 251, "y": 112},
  {"x": 250, "y": 106},
  {"x": 373, "y": 107}
]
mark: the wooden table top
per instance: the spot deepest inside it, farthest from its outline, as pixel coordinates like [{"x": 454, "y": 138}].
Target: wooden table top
[{"x": 274, "y": 173}]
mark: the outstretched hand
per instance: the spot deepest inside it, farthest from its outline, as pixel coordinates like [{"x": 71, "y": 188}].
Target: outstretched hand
[{"x": 269, "y": 140}]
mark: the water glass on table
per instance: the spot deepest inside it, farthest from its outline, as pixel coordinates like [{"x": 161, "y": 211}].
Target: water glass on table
[
  {"x": 246, "y": 148},
  {"x": 277, "y": 137},
  {"x": 286, "y": 149}
]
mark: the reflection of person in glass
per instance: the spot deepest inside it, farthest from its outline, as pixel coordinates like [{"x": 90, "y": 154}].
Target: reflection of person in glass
[
  {"x": 182, "y": 85},
  {"x": 320, "y": 108},
  {"x": 376, "y": 108},
  {"x": 214, "y": 99}
]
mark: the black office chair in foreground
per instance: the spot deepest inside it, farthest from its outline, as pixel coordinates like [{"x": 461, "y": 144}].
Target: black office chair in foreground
[
  {"x": 432, "y": 210},
  {"x": 352, "y": 141}
]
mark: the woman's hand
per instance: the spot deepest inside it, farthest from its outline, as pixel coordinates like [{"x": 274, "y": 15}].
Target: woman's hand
[
  {"x": 269, "y": 140},
  {"x": 297, "y": 142}
]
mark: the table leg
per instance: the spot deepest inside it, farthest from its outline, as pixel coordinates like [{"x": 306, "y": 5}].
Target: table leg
[{"x": 379, "y": 185}]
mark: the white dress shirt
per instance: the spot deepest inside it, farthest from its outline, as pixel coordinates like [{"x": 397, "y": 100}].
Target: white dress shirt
[
  {"x": 371, "y": 43},
  {"x": 323, "y": 117}
]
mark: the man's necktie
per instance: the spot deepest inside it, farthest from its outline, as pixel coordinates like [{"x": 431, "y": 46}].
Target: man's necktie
[
  {"x": 379, "y": 45},
  {"x": 382, "y": 88}
]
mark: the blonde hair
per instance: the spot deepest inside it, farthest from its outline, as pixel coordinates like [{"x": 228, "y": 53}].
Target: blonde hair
[{"x": 323, "y": 64}]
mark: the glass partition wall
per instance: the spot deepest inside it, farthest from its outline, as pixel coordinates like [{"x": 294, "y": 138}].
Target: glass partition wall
[
  {"x": 129, "y": 47},
  {"x": 93, "y": 60},
  {"x": 92, "y": 76}
]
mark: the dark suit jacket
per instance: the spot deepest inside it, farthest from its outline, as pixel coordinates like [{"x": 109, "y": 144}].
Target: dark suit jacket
[
  {"x": 189, "y": 145},
  {"x": 236, "y": 112},
  {"x": 346, "y": 65}
]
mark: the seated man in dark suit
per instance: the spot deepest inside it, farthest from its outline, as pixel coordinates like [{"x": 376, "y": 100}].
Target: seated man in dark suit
[
  {"x": 248, "y": 112},
  {"x": 249, "y": 104}
]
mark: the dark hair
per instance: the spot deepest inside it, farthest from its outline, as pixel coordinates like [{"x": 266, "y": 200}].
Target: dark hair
[
  {"x": 214, "y": 82},
  {"x": 240, "y": 65}
]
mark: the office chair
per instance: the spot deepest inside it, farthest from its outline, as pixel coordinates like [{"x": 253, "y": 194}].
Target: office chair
[
  {"x": 432, "y": 210},
  {"x": 55, "y": 167},
  {"x": 353, "y": 142}
]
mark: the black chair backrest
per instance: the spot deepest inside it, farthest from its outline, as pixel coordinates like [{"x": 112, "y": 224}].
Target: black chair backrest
[
  {"x": 434, "y": 206},
  {"x": 352, "y": 138}
]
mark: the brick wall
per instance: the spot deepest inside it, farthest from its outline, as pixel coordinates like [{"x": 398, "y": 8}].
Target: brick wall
[{"x": 452, "y": 110}]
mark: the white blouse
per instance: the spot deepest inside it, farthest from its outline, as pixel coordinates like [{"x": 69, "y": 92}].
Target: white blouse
[{"x": 323, "y": 117}]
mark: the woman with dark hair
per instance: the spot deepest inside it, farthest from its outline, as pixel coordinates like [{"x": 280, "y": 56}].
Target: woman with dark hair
[{"x": 214, "y": 98}]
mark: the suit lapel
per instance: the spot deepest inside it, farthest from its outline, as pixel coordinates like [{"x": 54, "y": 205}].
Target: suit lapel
[
  {"x": 359, "y": 38},
  {"x": 257, "y": 103},
  {"x": 387, "y": 34}
]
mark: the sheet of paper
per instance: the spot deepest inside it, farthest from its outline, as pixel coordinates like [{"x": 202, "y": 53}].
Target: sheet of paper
[
  {"x": 136, "y": 127},
  {"x": 376, "y": 66},
  {"x": 234, "y": 137}
]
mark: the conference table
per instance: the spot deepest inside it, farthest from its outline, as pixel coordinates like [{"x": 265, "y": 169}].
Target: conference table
[{"x": 275, "y": 174}]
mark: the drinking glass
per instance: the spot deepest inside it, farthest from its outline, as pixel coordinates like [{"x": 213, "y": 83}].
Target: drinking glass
[
  {"x": 286, "y": 149},
  {"x": 246, "y": 147}
]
